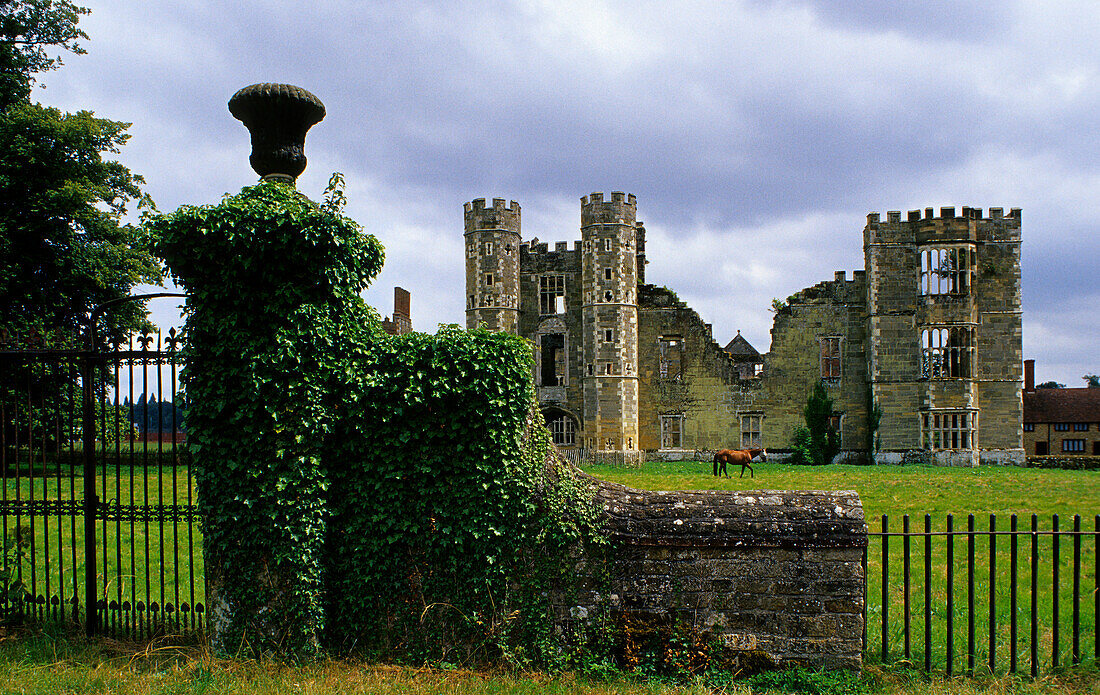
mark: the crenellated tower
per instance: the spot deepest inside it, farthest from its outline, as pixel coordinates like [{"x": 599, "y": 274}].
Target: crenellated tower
[
  {"x": 609, "y": 281},
  {"x": 492, "y": 265},
  {"x": 945, "y": 336}
]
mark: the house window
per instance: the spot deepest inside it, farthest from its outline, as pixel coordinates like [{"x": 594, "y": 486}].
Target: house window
[
  {"x": 1080, "y": 427},
  {"x": 551, "y": 294},
  {"x": 553, "y": 359},
  {"x": 947, "y": 429},
  {"x": 947, "y": 352},
  {"x": 563, "y": 431},
  {"x": 1073, "y": 446},
  {"x": 607, "y": 273},
  {"x": 1029, "y": 427},
  {"x": 672, "y": 431},
  {"x": 945, "y": 271},
  {"x": 671, "y": 349},
  {"x": 608, "y": 335},
  {"x": 1061, "y": 427},
  {"x": 835, "y": 424},
  {"x": 750, "y": 431},
  {"x": 488, "y": 279},
  {"x": 830, "y": 359}
]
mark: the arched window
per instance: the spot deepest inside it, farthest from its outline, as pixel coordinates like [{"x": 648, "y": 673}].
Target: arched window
[{"x": 563, "y": 428}]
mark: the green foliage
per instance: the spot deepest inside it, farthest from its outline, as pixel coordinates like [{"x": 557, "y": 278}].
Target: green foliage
[
  {"x": 1092, "y": 380},
  {"x": 273, "y": 285},
  {"x": 1050, "y": 385},
  {"x": 27, "y": 29},
  {"x": 803, "y": 680},
  {"x": 801, "y": 447},
  {"x": 388, "y": 494},
  {"x": 824, "y": 441}
]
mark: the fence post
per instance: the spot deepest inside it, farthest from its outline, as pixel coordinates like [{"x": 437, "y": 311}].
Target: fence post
[
  {"x": 885, "y": 589},
  {"x": 1013, "y": 599},
  {"x": 1056, "y": 611},
  {"x": 992, "y": 593},
  {"x": 950, "y": 593},
  {"x": 91, "y": 615},
  {"x": 970, "y": 649},
  {"x": 1076, "y": 589},
  {"x": 1034, "y": 595},
  {"x": 905, "y": 576},
  {"x": 927, "y": 592}
]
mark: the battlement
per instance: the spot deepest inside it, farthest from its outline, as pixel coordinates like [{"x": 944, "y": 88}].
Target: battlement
[
  {"x": 498, "y": 216},
  {"x": 945, "y": 213},
  {"x": 622, "y": 208}
]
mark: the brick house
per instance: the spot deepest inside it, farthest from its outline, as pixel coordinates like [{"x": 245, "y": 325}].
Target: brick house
[{"x": 1060, "y": 421}]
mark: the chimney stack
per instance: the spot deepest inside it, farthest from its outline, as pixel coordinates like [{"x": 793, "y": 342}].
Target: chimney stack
[{"x": 1029, "y": 375}]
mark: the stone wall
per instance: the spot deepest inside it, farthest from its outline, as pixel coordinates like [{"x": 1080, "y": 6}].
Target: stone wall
[{"x": 774, "y": 576}]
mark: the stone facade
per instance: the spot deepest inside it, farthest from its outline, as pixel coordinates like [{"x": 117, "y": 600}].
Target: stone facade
[{"x": 929, "y": 332}]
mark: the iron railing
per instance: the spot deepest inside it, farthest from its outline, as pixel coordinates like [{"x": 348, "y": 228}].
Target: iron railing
[
  {"x": 1009, "y": 589},
  {"x": 98, "y": 516}
]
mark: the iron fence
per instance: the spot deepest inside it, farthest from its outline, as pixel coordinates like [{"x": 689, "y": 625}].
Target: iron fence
[
  {"x": 1011, "y": 591},
  {"x": 97, "y": 511}
]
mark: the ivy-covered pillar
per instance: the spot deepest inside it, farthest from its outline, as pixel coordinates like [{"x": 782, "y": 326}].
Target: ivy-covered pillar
[{"x": 273, "y": 282}]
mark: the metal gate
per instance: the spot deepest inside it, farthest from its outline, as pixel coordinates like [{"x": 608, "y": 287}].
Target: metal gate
[{"x": 97, "y": 508}]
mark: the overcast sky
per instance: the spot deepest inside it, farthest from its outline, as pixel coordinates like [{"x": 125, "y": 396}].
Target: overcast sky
[{"x": 756, "y": 134}]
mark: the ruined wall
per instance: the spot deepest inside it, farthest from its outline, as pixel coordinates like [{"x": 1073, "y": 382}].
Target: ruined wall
[
  {"x": 700, "y": 391},
  {"x": 774, "y": 576},
  {"x": 946, "y": 272},
  {"x": 835, "y": 309}
]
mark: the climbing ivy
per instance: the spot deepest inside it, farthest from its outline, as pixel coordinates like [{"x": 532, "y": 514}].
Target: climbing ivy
[{"x": 385, "y": 494}]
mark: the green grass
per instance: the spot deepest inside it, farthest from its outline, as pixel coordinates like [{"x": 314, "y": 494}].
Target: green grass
[
  {"x": 34, "y": 662},
  {"x": 145, "y": 561},
  {"x": 917, "y": 490},
  {"x": 893, "y": 490}
]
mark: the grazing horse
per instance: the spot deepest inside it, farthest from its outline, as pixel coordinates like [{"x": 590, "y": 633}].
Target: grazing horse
[{"x": 743, "y": 457}]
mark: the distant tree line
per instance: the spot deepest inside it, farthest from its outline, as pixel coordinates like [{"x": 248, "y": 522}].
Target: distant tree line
[{"x": 151, "y": 415}]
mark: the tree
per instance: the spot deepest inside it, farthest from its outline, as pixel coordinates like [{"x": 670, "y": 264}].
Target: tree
[
  {"x": 818, "y": 441},
  {"x": 1093, "y": 380},
  {"x": 27, "y": 29},
  {"x": 1050, "y": 385},
  {"x": 63, "y": 246}
]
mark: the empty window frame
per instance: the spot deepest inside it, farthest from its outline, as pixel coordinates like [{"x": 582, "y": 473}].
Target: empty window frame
[
  {"x": 945, "y": 270},
  {"x": 830, "y": 358},
  {"x": 750, "y": 431},
  {"x": 947, "y": 352},
  {"x": 563, "y": 431},
  {"x": 551, "y": 294},
  {"x": 552, "y": 365},
  {"x": 949, "y": 429},
  {"x": 1073, "y": 446},
  {"x": 671, "y": 353},
  {"x": 672, "y": 427}
]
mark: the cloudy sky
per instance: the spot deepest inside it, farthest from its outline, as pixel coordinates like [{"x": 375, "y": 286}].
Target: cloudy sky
[{"x": 756, "y": 134}]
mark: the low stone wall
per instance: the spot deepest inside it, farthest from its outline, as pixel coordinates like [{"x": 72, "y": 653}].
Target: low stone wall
[
  {"x": 775, "y": 577},
  {"x": 1071, "y": 463}
]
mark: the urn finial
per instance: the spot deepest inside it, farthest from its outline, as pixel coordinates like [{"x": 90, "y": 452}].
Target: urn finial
[{"x": 278, "y": 117}]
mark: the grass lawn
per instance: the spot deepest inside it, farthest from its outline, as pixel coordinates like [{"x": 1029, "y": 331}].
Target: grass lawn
[
  {"x": 33, "y": 662},
  {"x": 893, "y": 490}
]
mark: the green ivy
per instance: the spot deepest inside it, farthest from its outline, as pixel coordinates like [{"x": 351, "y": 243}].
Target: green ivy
[{"x": 393, "y": 495}]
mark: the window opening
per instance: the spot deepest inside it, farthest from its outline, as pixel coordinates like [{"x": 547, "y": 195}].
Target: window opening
[
  {"x": 945, "y": 271},
  {"x": 607, "y": 244},
  {"x": 487, "y": 248},
  {"x": 607, "y": 273},
  {"x": 1061, "y": 427},
  {"x": 553, "y": 359},
  {"x": 488, "y": 279},
  {"x": 750, "y": 431},
  {"x": 1080, "y": 427},
  {"x": 947, "y": 352},
  {"x": 608, "y": 335},
  {"x": 551, "y": 294},
  {"x": 1073, "y": 446},
  {"x": 671, "y": 350},
  {"x": 563, "y": 431},
  {"x": 608, "y": 296},
  {"x": 830, "y": 359},
  {"x": 949, "y": 429},
  {"x": 672, "y": 431}
]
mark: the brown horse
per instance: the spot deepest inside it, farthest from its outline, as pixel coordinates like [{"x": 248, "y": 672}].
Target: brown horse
[{"x": 743, "y": 457}]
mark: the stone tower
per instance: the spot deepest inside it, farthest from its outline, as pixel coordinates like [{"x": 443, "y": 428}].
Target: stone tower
[
  {"x": 945, "y": 333},
  {"x": 492, "y": 265},
  {"x": 609, "y": 283}
]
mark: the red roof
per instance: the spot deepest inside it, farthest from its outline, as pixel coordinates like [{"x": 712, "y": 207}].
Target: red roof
[{"x": 1062, "y": 405}]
